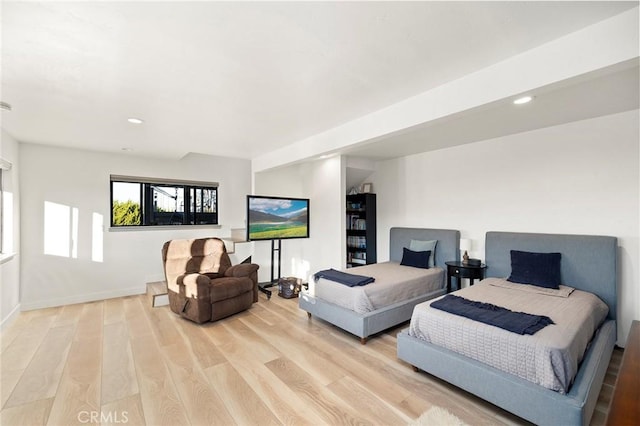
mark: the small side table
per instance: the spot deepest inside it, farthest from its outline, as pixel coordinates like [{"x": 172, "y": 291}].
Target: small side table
[{"x": 462, "y": 270}]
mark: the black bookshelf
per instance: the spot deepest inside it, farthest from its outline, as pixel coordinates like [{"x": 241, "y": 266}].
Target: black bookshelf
[{"x": 361, "y": 229}]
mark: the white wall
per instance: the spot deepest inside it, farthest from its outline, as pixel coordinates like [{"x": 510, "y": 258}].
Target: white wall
[
  {"x": 577, "y": 178},
  {"x": 80, "y": 179},
  {"x": 10, "y": 270},
  {"x": 321, "y": 182}
]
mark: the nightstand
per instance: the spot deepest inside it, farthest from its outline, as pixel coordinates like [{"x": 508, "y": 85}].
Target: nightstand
[{"x": 462, "y": 270}]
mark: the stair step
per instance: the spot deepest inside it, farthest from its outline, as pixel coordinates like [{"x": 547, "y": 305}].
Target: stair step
[{"x": 158, "y": 292}]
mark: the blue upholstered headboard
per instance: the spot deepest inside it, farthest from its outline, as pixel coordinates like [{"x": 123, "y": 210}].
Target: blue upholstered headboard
[
  {"x": 588, "y": 262},
  {"x": 447, "y": 249}
]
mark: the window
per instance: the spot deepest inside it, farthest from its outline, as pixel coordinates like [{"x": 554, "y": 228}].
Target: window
[{"x": 158, "y": 202}]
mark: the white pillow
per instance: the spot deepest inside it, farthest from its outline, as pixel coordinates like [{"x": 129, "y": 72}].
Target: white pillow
[{"x": 417, "y": 245}]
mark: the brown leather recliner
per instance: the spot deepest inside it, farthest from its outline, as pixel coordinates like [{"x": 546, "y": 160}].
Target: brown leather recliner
[{"x": 202, "y": 283}]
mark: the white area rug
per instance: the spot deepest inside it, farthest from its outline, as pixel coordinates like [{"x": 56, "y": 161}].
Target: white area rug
[{"x": 437, "y": 416}]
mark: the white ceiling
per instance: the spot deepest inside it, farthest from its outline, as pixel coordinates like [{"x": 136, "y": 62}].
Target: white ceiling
[
  {"x": 607, "y": 91},
  {"x": 242, "y": 79}
]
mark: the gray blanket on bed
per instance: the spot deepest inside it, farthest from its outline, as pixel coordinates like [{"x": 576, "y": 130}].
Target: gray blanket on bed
[{"x": 516, "y": 322}]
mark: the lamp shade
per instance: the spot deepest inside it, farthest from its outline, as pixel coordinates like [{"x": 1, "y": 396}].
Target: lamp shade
[{"x": 465, "y": 244}]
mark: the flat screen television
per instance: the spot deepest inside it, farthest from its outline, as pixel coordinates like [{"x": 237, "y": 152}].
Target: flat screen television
[{"x": 277, "y": 218}]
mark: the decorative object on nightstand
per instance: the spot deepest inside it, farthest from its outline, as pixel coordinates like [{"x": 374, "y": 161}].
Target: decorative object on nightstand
[
  {"x": 465, "y": 245},
  {"x": 461, "y": 270}
]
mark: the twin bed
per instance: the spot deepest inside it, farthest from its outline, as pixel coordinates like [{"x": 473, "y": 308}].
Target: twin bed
[
  {"x": 551, "y": 377},
  {"x": 367, "y": 310}
]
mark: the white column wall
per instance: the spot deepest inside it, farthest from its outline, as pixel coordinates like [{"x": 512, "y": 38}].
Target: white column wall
[{"x": 321, "y": 182}]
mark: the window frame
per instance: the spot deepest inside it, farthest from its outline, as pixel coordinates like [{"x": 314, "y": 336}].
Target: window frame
[{"x": 149, "y": 187}]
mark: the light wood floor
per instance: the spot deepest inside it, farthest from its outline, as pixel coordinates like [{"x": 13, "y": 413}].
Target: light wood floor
[{"x": 120, "y": 361}]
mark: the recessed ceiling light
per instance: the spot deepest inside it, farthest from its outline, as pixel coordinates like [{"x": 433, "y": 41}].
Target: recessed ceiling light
[
  {"x": 135, "y": 120},
  {"x": 127, "y": 149},
  {"x": 5, "y": 106},
  {"x": 523, "y": 100}
]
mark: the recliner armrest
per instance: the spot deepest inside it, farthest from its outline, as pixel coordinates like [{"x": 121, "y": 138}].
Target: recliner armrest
[
  {"x": 241, "y": 270},
  {"x": 196, "y": 285}
]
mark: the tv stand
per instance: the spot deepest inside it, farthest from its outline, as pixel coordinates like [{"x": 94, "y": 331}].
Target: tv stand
[{"x": 275, "y": 249}]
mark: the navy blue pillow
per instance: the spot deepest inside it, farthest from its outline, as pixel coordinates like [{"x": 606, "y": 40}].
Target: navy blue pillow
[
  {"x": 417, "y": 259},
  {"x": 541, "y": 269}
]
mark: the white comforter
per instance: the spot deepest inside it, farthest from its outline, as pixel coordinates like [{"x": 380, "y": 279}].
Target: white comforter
[{"x": 394, "y": 283}]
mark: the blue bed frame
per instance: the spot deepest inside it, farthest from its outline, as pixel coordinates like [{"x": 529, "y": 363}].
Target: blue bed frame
[
  {"x": 589, "y": 263},
  {"x": 369, "y": 323}
]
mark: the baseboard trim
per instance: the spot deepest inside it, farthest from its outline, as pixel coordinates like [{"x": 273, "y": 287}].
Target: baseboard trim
[
  {"x": 8, "y": 320},
  {"x": 83, "y": 298}
]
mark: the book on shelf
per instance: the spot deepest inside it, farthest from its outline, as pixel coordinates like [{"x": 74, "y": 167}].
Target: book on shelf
[
  {"x": 358, "y": 257},
  {"x": 354, "y": 222},
  {"x": 357, "y": 242}
]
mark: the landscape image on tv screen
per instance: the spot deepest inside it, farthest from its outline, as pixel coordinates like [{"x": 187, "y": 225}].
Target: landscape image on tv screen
[{"x": 274, "y": 218}]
